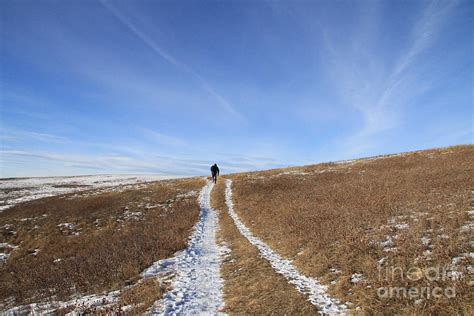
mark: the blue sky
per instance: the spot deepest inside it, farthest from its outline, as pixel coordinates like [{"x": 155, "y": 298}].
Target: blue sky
[{"x": 171, "y": 87}]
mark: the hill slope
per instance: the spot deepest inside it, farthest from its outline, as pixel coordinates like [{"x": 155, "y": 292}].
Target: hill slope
[
  {"x": 372, "y": 229},
  {"x": 384, "y": 234}
]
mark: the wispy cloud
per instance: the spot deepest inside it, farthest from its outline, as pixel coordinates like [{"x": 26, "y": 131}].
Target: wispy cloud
[
  {"x": 15, "y": 134},
  {"x": 163, "y": 139},
  {"x": 424, "y": 33},
  {"x": 140, "y": 154},
  {"x": 47, "y": 137},
  {"x": 100, "y": 163},
  {"x": 362, "y": 79},
  {"x": 97, "y": 162},
  {"x": 147, "y": 40}
]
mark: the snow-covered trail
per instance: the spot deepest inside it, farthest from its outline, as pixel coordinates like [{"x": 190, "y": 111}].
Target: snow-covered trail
[
  {"x": 315, "y": 291},
  {"x": 197, "y": 285}
]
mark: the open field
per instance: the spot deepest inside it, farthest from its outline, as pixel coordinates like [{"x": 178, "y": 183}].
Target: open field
[
  {"x": 362, "y": 225},
  {"x": 94, "y": 241},
  {"x": 390, "y": 234},
  {"x": 17, "y": 190}
]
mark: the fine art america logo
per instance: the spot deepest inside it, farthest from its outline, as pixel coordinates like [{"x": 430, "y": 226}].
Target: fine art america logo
[{"x": 431, "y": 276}]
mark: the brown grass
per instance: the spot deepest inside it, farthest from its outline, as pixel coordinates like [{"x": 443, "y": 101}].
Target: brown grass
[
  {"x": 251, "y": 285},
  {"x": 334, "y": 216},
  {"x": 142, "y": 295},
  {"x": 114, "y": 237}
]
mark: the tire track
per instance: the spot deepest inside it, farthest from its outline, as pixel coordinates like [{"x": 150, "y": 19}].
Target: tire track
[{"x": 315, "y": 291}]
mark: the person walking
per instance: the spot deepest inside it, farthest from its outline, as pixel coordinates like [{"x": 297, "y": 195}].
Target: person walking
[{"x": 214, "y": 172}]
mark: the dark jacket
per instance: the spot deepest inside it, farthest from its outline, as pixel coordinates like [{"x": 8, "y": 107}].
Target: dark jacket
[{"x": 215, "y": 169}]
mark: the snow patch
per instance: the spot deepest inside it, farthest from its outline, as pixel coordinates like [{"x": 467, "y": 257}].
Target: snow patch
[
  {"x": 357, "y": 278},
  {"x": 130, "y": 215},
  {"x": 4, "y": 256},
  {"x": 5, "y": 245},
  {"x": 69, "y": 229},
  {"x": 388, "y": 242},
  {"x": 66, "y": 226},
  {"x": 294, "y": 172},
  {"x": 187, "y": 195},
  {"x": 401, "y": 226},
  {"x": 381, "y": 261},
  {"x": 80, "y": 305},
  {"x": 467, "y": 227},
  {"x": 425, "y": 241}
]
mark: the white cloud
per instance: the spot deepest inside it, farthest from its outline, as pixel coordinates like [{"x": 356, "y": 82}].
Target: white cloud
[
  {"x": 39, "y": 163},
  {"x": 163, "y": 139},
  {"x": 378, "y": 90},
  {"x": 424, "y": 33},
  {"x": 15, "y": 134}
]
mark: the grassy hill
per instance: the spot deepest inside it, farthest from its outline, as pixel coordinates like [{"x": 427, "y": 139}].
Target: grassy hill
[
  {"x": 381, "y": 222},
  {"x": 388, "y": 234}
]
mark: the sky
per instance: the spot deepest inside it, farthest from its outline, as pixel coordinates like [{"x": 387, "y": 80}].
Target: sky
[{"x": 170, "y": 87}]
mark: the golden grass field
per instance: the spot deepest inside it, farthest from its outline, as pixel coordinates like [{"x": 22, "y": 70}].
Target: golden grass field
[
  {"x": 367, "y": 217},
  {"x": 113, "y": 237},
  {"x": 357, "y": 226}
]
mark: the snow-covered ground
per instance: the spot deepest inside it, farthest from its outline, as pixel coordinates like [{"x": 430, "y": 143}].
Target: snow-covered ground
[
  {"x": 14, "y": 191},
  {"x": 316, "y": 292},
  {"x": 78, "y": 304},
  {"x": 197, "y": 284}
]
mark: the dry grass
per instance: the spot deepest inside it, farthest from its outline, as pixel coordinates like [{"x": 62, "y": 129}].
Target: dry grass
[
  {"x": 114, "y": 236},
  {"x": 336, "y": 216},
  {"x": 142, "y": 295},
  {"x": 251, "y": 285}
]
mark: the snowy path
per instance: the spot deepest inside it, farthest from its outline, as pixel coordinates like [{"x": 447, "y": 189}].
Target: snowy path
[
  {"x": 309, "y": 286},
  {"x": 197, "y": 285}
]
